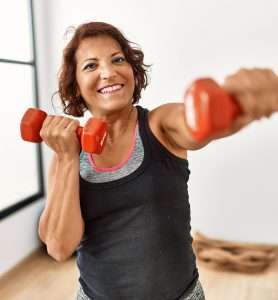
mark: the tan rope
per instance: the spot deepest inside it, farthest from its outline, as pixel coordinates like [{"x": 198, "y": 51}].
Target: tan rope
[{"x": 233, "y": 256}]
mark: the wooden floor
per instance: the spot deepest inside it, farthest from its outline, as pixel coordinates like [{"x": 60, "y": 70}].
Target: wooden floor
[{"x": 39, "y": 277}]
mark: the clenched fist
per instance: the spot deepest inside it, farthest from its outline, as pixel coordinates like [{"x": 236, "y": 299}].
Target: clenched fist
[
  {"x": 256, "y": 91},
  {"x": 59, "y": 133}
]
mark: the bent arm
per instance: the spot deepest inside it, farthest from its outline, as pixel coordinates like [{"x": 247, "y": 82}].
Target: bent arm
[{"x": 61, "y": 225}]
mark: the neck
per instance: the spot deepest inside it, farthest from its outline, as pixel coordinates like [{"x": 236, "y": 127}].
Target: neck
[{"x": 119, "y": 123}]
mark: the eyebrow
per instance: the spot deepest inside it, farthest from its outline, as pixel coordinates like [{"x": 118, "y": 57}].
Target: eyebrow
[{"x": 94, "y": 58}]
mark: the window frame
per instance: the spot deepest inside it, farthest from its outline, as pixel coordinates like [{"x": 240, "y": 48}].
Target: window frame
[{"x": 33, "y": 63}]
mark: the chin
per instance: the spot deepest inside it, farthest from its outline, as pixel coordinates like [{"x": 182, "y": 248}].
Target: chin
[{"x": 113, "y": 105}]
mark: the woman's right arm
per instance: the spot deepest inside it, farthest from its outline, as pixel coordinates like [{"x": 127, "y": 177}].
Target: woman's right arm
[{"x": 61, "y": 225}]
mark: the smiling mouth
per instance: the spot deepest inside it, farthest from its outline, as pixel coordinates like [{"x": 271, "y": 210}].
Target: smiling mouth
[{"x": 111, "y": 92}]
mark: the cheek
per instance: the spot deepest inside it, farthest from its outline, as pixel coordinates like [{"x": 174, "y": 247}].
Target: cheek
[
  {"x": 86, "y": 83},
  {"x": 130, "y": 75}
]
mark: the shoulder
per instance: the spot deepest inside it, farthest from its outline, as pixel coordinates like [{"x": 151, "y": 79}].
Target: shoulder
[
  {"x": 168, "y": 120},
  {"x": 165, "y": 110},
  {"x": 155, "y": 120}
]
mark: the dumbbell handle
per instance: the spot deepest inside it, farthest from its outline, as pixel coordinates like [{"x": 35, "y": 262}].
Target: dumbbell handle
[
  {"x": 209, "y": 108},
  {"x": 92, "y": 137}
]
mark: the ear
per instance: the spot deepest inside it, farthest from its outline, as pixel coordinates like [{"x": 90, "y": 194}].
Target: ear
[{"x": 136, "y": 81}]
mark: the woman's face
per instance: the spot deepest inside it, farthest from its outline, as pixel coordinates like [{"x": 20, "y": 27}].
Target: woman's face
[{"x": 100, "y": 62}]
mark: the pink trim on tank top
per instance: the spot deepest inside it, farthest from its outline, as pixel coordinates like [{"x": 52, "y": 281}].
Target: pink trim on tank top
[{"x": 118, "y": 166}]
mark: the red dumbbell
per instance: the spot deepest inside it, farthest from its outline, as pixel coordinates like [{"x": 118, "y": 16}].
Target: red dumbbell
[
  {"x": 92, "y": 137},
  {"x": 209, "y": 108}
]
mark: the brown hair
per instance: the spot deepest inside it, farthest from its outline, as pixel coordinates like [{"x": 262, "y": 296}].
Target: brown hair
[{"x": 74, "y": 104}]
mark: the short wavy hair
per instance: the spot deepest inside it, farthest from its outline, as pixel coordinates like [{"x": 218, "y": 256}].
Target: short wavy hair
[{"x": 72, "y": 102}]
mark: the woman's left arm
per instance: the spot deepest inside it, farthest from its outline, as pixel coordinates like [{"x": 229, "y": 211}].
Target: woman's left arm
[{"x": 256, "y": 91}]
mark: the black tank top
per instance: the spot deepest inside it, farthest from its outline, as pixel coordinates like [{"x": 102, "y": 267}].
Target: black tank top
[{"x": 137, "y": 243}]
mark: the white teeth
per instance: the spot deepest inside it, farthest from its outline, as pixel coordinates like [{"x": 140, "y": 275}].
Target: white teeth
[{"x": 110, "y": 89}]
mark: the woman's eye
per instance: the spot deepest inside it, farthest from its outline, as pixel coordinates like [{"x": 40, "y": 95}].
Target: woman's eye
[
  {"x": 92, "y": 66},
  {"x": 120, "y": 59},
  {"x": 89, "y": 66}
]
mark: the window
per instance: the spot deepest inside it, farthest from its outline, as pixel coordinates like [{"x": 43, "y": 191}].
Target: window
[{"x": 21, "y": 162}]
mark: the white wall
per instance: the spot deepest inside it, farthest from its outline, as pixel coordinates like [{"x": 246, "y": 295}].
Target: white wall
[
  {"x": 18, "y": 235},
  {"x": 233, "y": 191}
]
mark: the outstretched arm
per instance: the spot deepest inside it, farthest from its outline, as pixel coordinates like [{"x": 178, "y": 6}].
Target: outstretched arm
[{"x": 256, "y": 91}]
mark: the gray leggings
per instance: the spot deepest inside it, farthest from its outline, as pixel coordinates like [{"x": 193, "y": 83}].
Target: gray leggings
[{"x": 197, "y": 294}]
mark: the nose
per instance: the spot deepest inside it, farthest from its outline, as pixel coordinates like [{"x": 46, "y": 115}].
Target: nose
[{"x": 107, "y": 71}]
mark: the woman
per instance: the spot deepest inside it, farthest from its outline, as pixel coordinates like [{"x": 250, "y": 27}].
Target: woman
[{"x": 126, "y": 211}]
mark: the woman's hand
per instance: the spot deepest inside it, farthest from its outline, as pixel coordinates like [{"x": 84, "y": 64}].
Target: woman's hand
[
  {"x": 59, "y": 133},
  {"x": 256, "y": 91}
]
